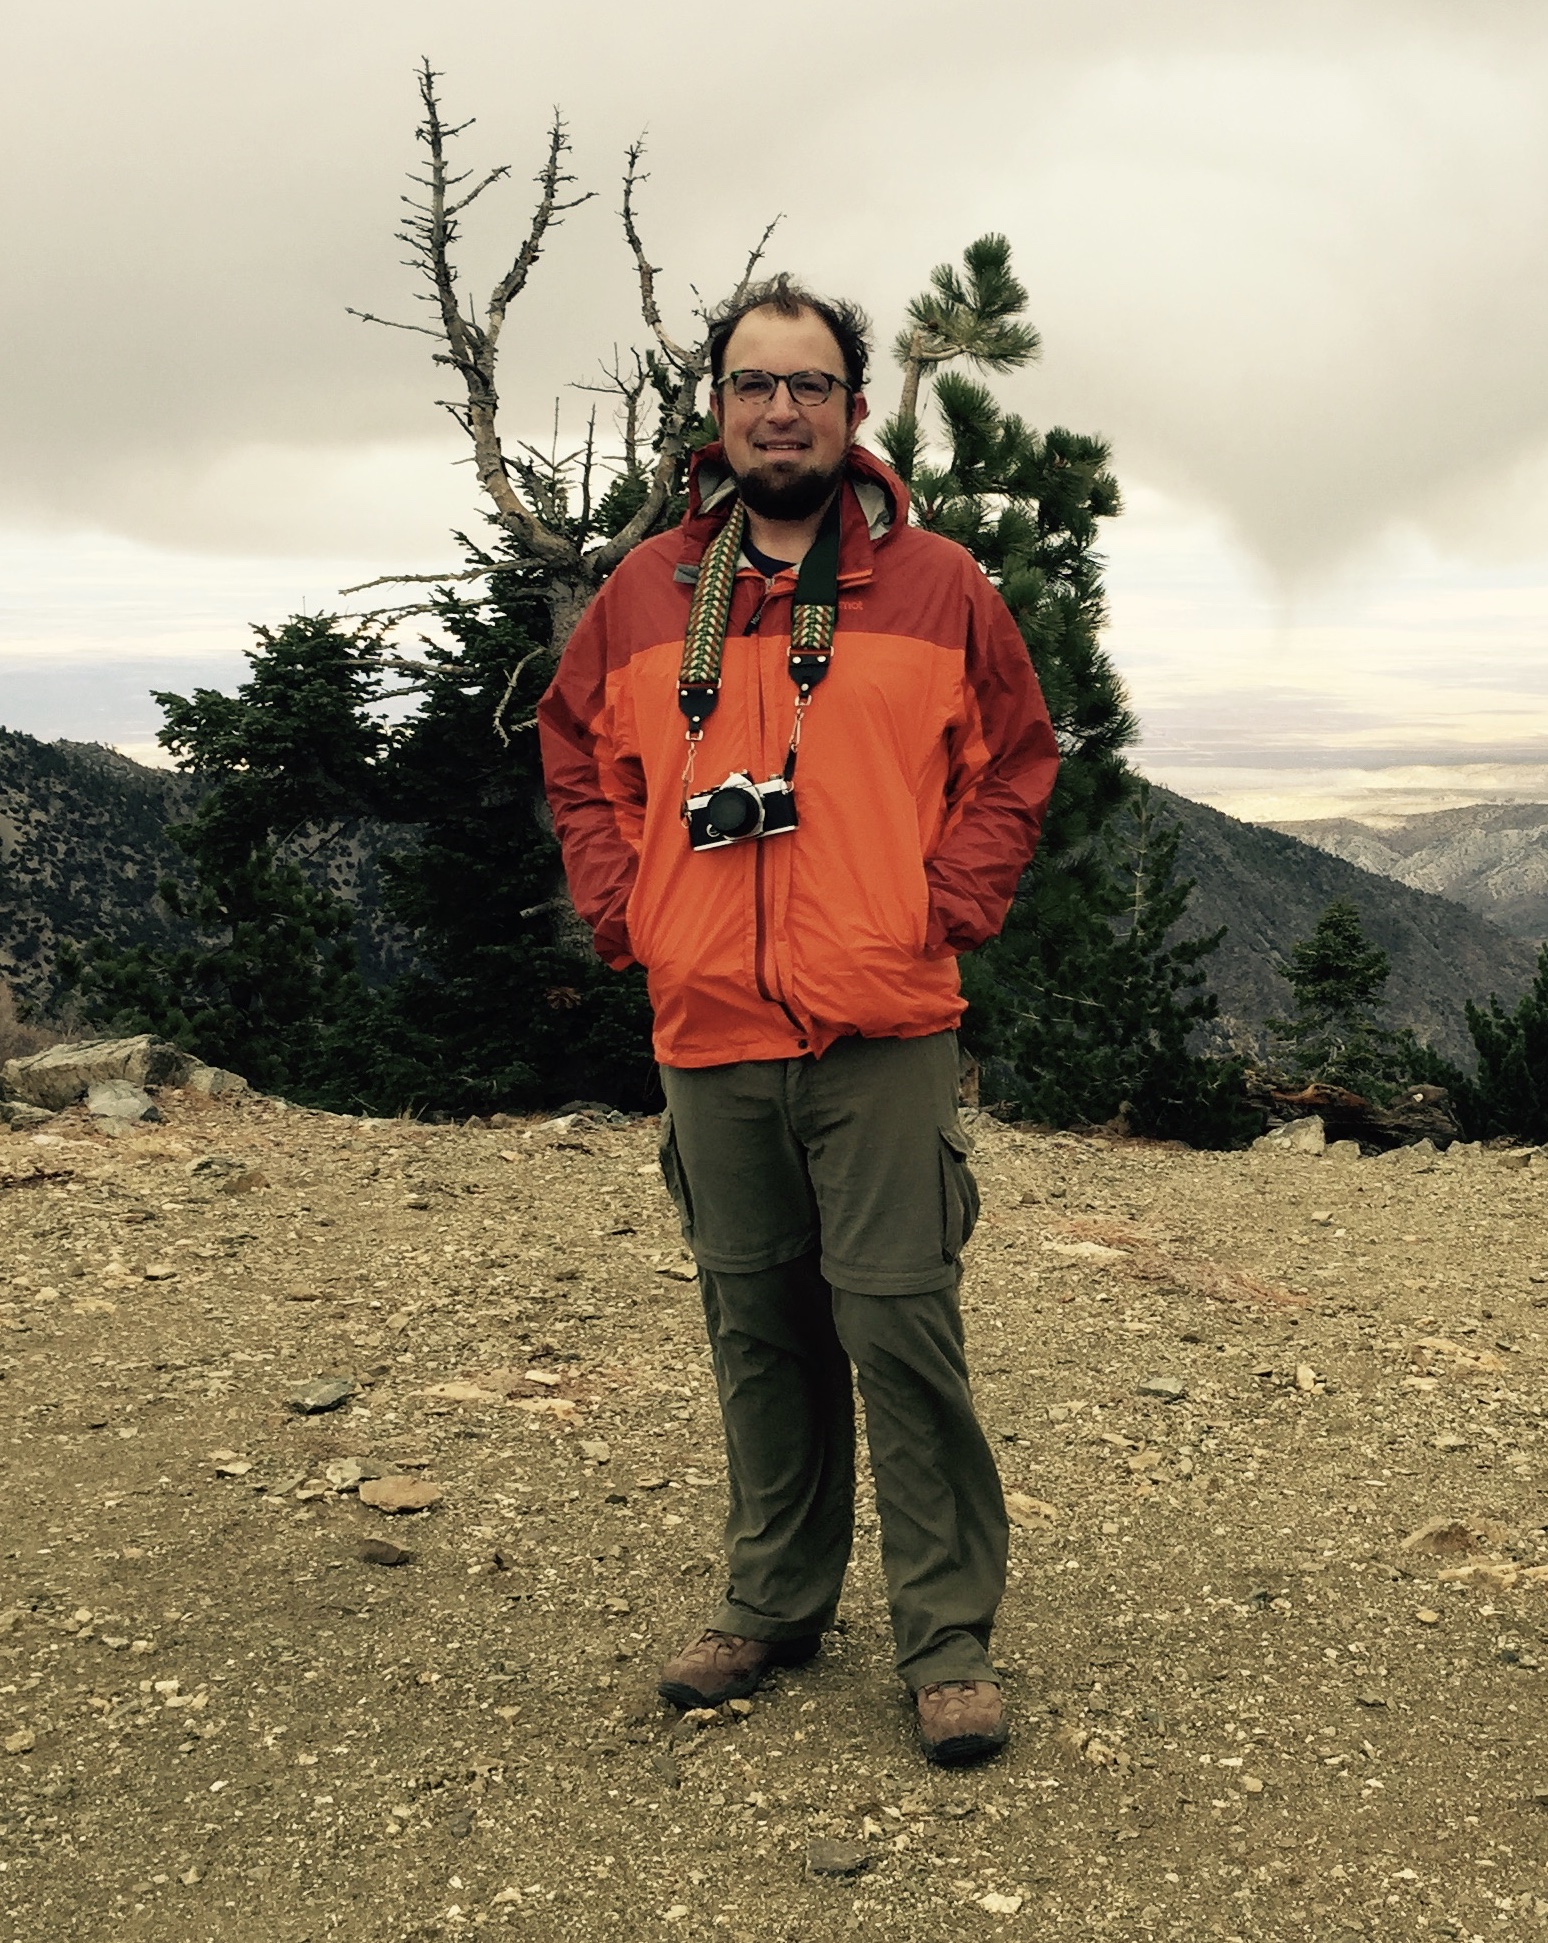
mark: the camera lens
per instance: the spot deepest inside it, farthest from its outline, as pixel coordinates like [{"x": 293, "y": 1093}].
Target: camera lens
[{"x": 734, "y": 811}]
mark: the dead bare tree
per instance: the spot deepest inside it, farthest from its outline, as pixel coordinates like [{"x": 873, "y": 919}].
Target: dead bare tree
[{"x": 531, "y": 491}]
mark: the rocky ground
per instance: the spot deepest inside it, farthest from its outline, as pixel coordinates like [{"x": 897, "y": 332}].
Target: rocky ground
[{"x": 1274, "y": 1647}]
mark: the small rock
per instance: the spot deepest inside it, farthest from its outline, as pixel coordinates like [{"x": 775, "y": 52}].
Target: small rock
[
  {"x": 23, "y": 1741},
  {"x": 1305, "y": 1377},
  {"x": 836, "y": 1859},
  {"x": 1031, "y": 1514},
  {"x": 998, "y": 1905},
  {"x": 1342, "y": 1150},
  {"x": 666, "y": 1770},
  {"x": 741, "y": 1708},
  {"x": 1427, "y": 1616},
  {"x": 323, "y": 1393},
  {"x": 1418, "y": 1158},
  {"x": 1165, "y": 1389},
  {"x": 1369, "y": 1697},
  {"x": 395, "y": 1494},
  {"x": 594, "y": 1451},
  {"x": 210, "y": 1167},
  {"x": 213, "y": 1080},
  {"x": 1445, "y": 1537},
  {"x": 118, "y": 1099},
  {"x": 247, "y": 1182},
  {"x": 419, "y": 1201},
  {"x": 461, "y": 1823},
  {"x": 233, "y": 1467},
  {"x": 1252, "y": 1785},
  {"x": 1305, "y": 1136},
  {"x": 22, "y": 1117}
]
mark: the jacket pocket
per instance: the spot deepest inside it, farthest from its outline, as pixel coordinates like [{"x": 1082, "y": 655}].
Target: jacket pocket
[
  {"x": 672, "y": 1173},
  {"x": 959, "y": 1193}
]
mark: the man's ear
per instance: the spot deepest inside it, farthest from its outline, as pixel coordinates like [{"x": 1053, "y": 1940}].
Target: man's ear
[
  {"x": 859, "y": 412},
  {"x": 717, "y": 405}
]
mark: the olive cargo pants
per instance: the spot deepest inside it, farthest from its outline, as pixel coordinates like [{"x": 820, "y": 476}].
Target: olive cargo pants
[{"x": 826, "y": 1202}]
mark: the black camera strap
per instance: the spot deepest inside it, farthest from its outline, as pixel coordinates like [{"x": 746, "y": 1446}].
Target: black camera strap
[{"x": 812, "y": 622}]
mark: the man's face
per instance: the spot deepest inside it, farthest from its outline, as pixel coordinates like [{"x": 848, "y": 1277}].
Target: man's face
[{"x": 787, "y": 457}]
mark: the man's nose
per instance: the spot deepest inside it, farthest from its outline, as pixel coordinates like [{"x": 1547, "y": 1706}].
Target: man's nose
[{"x": 782, "y": 408}]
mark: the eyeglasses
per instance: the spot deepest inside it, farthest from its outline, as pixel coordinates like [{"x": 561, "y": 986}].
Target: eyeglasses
[{"x": 762, "y": 387}]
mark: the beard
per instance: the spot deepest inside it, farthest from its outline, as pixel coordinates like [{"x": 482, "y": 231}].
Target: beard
[{"x": 773, "y": 492}]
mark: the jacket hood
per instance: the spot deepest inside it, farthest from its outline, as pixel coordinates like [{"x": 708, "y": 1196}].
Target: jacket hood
[{"x": 876, "y": 506}]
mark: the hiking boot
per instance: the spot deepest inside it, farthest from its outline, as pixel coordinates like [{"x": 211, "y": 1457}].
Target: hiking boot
[
  {"x": 717, "y": 1667},
  {"x": 961, "y": 1721}
]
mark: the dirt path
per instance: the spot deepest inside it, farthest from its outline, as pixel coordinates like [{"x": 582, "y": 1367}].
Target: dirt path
[{"x": 1243, "y": 1708}]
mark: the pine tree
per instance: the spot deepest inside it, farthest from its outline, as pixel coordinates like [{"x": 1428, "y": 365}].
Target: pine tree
[
  {"x": 1338, "y": 979},
  {"x": 1077, "y": 1005},
  {"x": 505, "y": 1008},
  {"x": 1509, "y": 1094},
  {"x": 292, "y": 762}
]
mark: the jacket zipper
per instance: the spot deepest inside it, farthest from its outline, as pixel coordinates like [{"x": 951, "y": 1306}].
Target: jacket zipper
[{"x": 763, "y": 972}]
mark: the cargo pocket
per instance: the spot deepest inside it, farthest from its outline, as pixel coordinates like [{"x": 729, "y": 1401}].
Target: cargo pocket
[
  {"x": 959, "y": 1193},
  {"x": 672, "y": 1174}
]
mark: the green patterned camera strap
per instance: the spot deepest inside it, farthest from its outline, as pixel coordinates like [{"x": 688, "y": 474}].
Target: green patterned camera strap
[{"x": 811, "y": 623}]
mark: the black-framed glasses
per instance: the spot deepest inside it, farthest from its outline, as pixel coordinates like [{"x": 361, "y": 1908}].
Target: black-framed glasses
[{"x": 761, "y": 387}]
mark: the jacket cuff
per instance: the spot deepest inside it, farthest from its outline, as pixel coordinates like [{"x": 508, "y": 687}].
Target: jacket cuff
[
  {"x": 952, "y": 927},
  {"x": 611, "y": 942}
]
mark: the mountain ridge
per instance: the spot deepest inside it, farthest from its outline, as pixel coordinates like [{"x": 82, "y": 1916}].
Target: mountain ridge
[
  {"x": 83, "y": 846},
  {"x": 1492, "y": 857}
]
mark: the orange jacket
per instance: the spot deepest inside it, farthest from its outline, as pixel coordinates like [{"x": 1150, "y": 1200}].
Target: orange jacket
[{"x": 926, "y": 762}]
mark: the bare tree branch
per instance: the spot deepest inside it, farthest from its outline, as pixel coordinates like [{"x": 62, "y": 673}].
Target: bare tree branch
[
  {"x": 434, "y": 579},
  {"x": 391, "y": 323},
  {"x": 431, "y": 232},
  {"x": 754, "y": 258},
  {"x": 632, "y": 391},
  {"x": 505, "y": 698},
  {"x": 647, "y": 271},
  {"x": 531, "y": 491}
]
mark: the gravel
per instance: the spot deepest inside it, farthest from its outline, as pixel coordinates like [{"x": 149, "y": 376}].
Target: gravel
[{"x": 1244, "y": 1706}]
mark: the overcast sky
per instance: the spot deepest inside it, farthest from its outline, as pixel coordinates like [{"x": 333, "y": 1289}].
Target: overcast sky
[{"x": 1291, "y": 259}]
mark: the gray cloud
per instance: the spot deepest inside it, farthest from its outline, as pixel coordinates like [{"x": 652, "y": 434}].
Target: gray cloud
[{"x": 1293, "y": 259}]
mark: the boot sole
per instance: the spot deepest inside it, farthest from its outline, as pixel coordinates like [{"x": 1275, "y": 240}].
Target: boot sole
[
  {"x": 963, "y": 1750},
  {"x": 786, "y": 1652}
]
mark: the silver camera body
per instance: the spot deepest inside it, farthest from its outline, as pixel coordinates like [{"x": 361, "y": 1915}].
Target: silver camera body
[{"x": 738, "y": 810}]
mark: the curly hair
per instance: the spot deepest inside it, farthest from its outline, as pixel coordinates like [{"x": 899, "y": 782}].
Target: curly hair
[{"x": 847, "y": 321}]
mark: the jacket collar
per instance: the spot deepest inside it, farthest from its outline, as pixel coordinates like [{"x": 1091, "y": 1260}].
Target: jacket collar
[{"x": 875, "y": 506}]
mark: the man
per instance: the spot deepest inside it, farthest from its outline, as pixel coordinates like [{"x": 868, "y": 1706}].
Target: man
[{"x": 798, "y": 759}]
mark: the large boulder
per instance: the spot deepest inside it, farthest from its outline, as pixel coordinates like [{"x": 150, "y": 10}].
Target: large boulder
[{"x": 62, "y": 1075}]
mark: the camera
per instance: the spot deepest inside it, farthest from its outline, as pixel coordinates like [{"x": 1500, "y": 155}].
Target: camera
[{"x": 739, "y": 808}]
